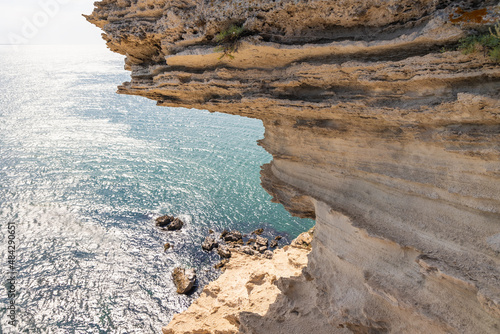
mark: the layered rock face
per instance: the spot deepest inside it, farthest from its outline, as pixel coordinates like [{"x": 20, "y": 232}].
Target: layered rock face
[{"x": 391, "y": 145}]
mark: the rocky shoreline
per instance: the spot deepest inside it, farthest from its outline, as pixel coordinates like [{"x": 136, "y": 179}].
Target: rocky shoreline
[
  {"x": 225, "y": 244},
  {"x": 249, "y": 285},
  {"x": 234, "y": 241}
]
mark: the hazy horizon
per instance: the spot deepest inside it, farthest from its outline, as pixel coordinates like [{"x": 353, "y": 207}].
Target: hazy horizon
[{"x": 47, "y": 22}]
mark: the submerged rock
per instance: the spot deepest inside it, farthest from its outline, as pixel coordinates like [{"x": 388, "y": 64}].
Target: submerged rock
[
  {"x": 258, "y": 231},
  {"x": 170, "y": 222},
  {"x": 209, "y": 243},
  {"x": 184, "y": 279}
]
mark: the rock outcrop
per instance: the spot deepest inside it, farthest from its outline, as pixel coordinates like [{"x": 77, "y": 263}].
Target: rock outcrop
[
  {"x": 209, "y": 243},
  {"x": 390, "y": 144},
  {"x": 171, "y": 223},
  {"x": 248, "y": 287},
  {"x": 184, "y": 279}
]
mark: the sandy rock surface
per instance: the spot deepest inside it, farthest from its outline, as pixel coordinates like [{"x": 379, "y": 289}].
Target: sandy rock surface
[{"x": 249, "y": 285}]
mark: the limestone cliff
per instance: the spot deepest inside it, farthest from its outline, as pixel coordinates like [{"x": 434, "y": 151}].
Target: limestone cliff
[{"x": 391, "y": 145}]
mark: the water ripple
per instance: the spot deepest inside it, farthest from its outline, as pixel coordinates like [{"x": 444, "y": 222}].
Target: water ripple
[{"x": 83, "y": 174}]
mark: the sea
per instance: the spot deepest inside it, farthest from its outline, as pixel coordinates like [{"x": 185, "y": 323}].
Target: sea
[{"x": 84, "y": 172}]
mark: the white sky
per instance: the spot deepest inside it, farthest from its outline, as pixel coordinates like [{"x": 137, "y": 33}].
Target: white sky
[{"x": 47, "y": 22}]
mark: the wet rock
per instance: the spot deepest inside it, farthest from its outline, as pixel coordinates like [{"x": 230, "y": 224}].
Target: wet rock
[
  {"x": 258, "y": 231},
  {"x": 221, "y": 264},
  {"x": 164, "y": 220},
  {"x": 209, "y": 243},
  {"x": 233, "y": 236},
  {"x": 273, "y": 244},
  {"x": 224, "y": 251},
  {"x": 176, "y": 225},
  {"x": 184, "y": 279},
  {"x": 224, "y": 233},
  {"x": 268, "y": 254},
  {"x": 261, "y": 241},
  {"x": 167, "y": 246},
  {"x": 169, "y": 222}
]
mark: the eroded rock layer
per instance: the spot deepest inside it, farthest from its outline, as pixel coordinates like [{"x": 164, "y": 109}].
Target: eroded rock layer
[{"x": 390, "y": 143}]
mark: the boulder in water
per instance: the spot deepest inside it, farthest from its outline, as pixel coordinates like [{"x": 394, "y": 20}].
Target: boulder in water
[
  {"x": 170, "y": 222},
  {"x": 258, "y": 231},
  {"x": 209, "y": 243},
  {"x": 184, "y": 279},
  {"x": 233, "y": 236}
]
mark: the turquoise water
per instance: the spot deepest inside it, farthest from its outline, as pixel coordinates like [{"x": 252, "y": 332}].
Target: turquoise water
[{"x": 83, "y": 174}]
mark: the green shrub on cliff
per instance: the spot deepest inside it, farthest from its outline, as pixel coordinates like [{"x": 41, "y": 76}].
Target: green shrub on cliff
[
  {"x": 495, "y": 31},
  {"x": 495, "y": 53},
  {"x": 228, "y": 41},
  {"x": 488, "y": 43}
]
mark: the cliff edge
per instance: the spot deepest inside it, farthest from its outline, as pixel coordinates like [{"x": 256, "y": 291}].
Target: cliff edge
[{"x": 378, "y": 129}]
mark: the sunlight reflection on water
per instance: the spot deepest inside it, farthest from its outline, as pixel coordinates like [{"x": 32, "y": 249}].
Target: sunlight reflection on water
[{"x": 83, "y": 174}]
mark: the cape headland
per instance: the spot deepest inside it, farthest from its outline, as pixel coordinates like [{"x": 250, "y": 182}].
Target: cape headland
[{"x": 380, "y": 129}]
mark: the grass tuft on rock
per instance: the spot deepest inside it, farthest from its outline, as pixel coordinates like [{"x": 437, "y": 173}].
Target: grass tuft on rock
[
  {"x": 488, "y": 43},
  {"x": 228, "y": 41}
]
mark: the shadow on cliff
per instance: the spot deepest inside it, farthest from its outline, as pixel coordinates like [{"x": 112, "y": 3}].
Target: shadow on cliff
[
  {"x": 297, "y": 310},
  {"x": 302, "y": 308}
]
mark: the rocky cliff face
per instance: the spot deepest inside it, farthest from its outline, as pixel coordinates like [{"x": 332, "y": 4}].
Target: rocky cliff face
[{"x": 391, "y": 145}]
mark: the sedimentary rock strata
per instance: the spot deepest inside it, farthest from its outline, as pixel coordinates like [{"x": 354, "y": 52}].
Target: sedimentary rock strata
[{"x": 378, "y": 130}]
